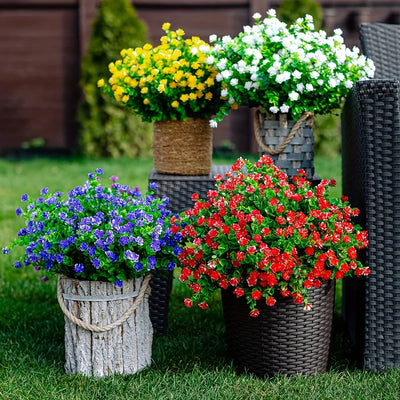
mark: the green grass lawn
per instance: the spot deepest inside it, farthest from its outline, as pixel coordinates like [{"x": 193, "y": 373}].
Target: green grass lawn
[{"x": 190, "y": 362}]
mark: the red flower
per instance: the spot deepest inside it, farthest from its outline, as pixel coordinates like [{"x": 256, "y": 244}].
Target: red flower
[
  {"x": 270, "y": 301},
  {"x": 203, "y": 305},
  {"x": 195, "y": 196},
  {"x": 352, "y": 253},
  {"x": 256, "y": 294},
  {"x": 187, "y": 302},
  {"x": 255, "y": 313},
  {"x": 239, "y": 292}
]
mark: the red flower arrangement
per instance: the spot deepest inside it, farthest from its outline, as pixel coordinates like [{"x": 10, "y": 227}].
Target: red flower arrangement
[{"x": 264, "y": 236}]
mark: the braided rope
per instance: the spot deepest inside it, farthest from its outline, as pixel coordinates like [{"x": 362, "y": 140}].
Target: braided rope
[
  {"x": 259, "y": 117},
  {"x": 94, "y": 328}
]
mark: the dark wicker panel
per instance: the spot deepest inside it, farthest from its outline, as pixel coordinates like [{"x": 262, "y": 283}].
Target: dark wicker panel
[
  {"x": 282, "y": 338},
  {"x": 381, "y": 42},
  {"x": 179, "y": 190},
  {"x": 371, "y": 179}
]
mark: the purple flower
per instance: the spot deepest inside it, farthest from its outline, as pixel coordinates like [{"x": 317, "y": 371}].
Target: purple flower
[
  {"x": 45, "y": 278},
  {"x": 5, "y": 250},
  {"x": 118, "y": 283},
  {"x": 18, "y": 211},
  {"x": 84, "y": 246},
  {"x": 44, "y": 191},
  {"x": 114, "y": 178},
  {"x": 170, "y": 266},
  {"x": 131, "y": 256},
  {"x": 91, "y": 251},
  {"x": 79, "y": 268},
  {"x": 99, "y": 171},
  {"x": 123, "y": 240},
  {"x": 177, "y": 250},
  {"x": 17, "y": 264},
  {"x": 96, "y": 263},
  {"x": 64, "y": 244},
  {"x": 152, "y": 262},
  {"x": 153, "y": 185},
  {"x": 112, "y": 256},
  {"x": 24, "y": 197},
  {"x": 138, "y": 266}
]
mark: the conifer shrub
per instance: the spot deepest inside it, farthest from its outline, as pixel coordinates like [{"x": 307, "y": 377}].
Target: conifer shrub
[{"x": 106, "y": 129}]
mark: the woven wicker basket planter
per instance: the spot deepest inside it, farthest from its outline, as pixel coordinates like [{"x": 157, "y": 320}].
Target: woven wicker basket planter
[
  {"x": 289, "y": 143},
  {"x": 107, "y": 329},
  {"x": 182, "y": 147},
  {"x": 283, "y": 339}
]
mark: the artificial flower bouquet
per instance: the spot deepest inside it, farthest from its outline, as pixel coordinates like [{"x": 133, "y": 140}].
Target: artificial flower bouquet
[
  {"x": 107, "y": 233},
  {"x": 286, "y": 69},
  {"x": 173, "y": 81},
  {"x": 264, "y": 236}
]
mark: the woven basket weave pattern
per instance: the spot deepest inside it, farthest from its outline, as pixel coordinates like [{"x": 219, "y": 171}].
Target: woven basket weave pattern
[
  {"x": 182, "y": 147},
  {"x": 371, "y": 179},
  {"x": 179, "y": 190},
  {"x": 300, "y": 151},
  {"x": 282, "y": 338}
]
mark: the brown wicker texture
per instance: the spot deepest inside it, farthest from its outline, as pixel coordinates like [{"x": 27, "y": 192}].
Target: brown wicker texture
[
  {"x": 298, "y": 154},
  {"x": 179, "y": 190},
  {"x": 283, "y": 339},
  {"x": 182, "y": 147}
]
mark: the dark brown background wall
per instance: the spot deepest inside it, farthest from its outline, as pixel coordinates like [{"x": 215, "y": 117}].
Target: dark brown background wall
[{"x": 42, "y": 42}]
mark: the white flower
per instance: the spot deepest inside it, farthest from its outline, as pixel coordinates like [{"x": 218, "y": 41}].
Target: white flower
[
  {"x": 210, "y": 59},
  {"x": 248, "y": 85},
  {"x": 224, "y": 92},
  {"x": 274, "y": 110},
  {"x": 332, "y": 82},
  {"x": 320, "y": 82},
  {"x": 300, "y": 87},
  {"x": 226, "y": 39},
  {"x": 213, "y": 124},
  {"x": 231, "y": 100},
  {"x": 212, "y": 38},
  {"x": 194, "y": 50},
  {"x": 296, "y": 74},
  {"x": 338, "y": 31},
  {"x": 314, "y": 74},
  {"x": 309, "y": 87},
  {"x": 293, "y": 96},
  {"x": 257, "y": 15},
  {"x": 222, "y": 64},
  {"x": 271, "y": 12},
  {"x": 284, "y": 76},
  {"x": 348, "y": 84},
  {"x": 227, "y": 73},
  {"x": 234, "y": 81},
  {"x": 284, "y": 108}
]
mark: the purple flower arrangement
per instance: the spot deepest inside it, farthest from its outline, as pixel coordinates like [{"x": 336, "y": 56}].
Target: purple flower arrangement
[{"x": 102, "y": 233}]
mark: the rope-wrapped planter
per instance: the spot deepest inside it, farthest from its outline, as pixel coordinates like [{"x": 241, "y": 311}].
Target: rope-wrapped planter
[
  {"x": 107, "y": 329},
  {"x": 284, "y": 338},
  {"x": 289, "y": 143},
  {"x": 182, "y": 147}
]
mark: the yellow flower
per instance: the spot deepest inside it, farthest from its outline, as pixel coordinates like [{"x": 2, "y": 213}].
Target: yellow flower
[
  {"x": 192, "y": 96},
  {"x": 134, "y": 83},
  {"x": 100, "y": 83},
  {"x": 125, "y": 98},
  {"x": 164, "y": 40},
  {"x": 161, "y": 88},
  {"x": 166, "y": 26},
  {"x": 184, "y": 97},
  {"x": 192, "y": 81},
  {"x": 199, "y": 73},
  {"x": 175, "y": 104},
  {"x": 146, "y": 101},
  {"x": 209, "y": 96},
  {"x": 180, "y": 32},
  {"x": 173, "y": 85},
  {"x": 144, "y": 90},
  {"x": 147, "y": 46},
  {"x": 235, "y": 106},
  {"x": 201, "y": 86}
]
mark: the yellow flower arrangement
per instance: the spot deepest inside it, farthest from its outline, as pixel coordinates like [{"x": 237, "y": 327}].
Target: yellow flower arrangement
[{"x": 175, "y": 80}]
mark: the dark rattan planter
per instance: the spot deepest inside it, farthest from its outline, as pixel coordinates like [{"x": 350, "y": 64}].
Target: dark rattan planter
[
  {"x": 283, "y": 339},
  {"x": 179, "y": 190}
]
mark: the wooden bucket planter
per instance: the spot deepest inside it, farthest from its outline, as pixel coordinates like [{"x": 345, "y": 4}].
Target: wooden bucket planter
[{"x": 107, "y": 329}]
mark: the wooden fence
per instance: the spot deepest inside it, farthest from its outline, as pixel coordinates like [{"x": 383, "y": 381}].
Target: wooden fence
[{"x": 42, "y": 43}]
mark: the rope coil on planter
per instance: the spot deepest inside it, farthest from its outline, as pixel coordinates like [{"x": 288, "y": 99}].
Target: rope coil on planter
[
  {"x": 144, "y": 289},
  {"x": 259, "y": 117}
]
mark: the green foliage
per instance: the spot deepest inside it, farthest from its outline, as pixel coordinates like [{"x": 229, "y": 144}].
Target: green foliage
[
  {"x": 106, "y": 128},
  {"x": 327, "y": 135},
  {"x": 290, "y": 10}
]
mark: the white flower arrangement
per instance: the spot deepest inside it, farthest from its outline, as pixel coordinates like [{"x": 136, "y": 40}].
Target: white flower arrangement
[{"x": 288, "y": 69}]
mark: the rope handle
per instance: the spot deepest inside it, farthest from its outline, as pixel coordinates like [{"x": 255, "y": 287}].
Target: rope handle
[
  {"x": 145, "y": 289},
  {"x": 259, "y": 117}
]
